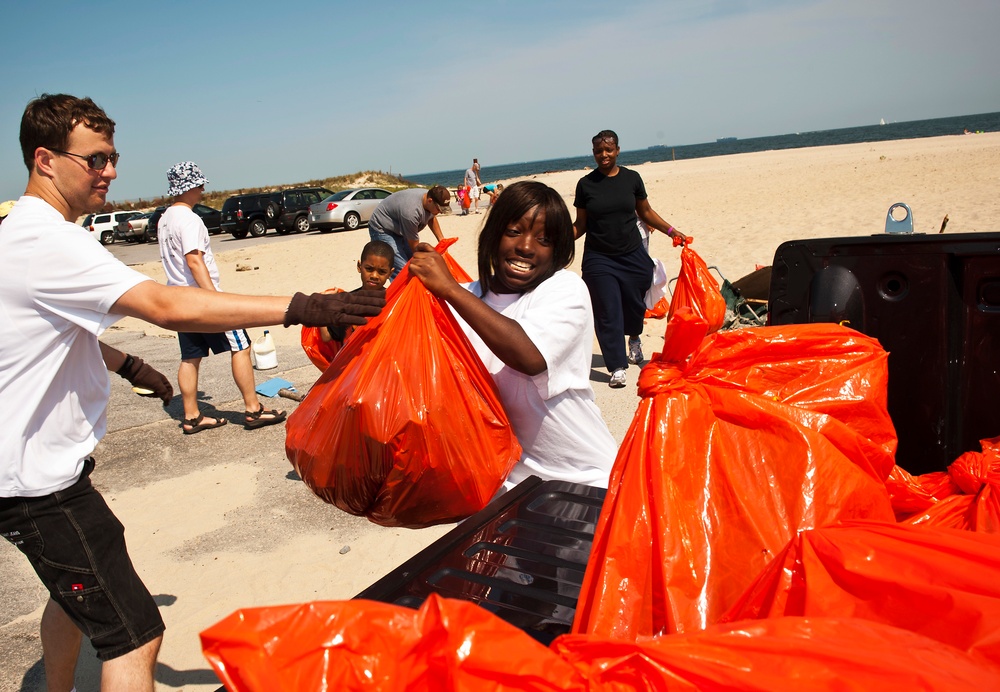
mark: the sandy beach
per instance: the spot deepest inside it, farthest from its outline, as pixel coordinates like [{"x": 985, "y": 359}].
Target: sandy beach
[{"x": 217, "y": 521}]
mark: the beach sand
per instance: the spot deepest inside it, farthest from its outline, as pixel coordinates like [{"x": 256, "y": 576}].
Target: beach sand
[{"x": 216, "y": 522}]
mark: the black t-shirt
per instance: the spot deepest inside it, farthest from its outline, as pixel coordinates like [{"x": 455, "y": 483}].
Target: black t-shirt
[{"x": 610, "y": 206}]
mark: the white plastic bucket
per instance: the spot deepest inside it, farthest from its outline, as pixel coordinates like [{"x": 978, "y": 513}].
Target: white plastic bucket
[{"x": 264, "y": 354}]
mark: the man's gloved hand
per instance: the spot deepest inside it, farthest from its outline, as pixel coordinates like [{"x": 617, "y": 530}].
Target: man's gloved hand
[
  {"x": 145, "y": 377},
  {"x": 326, "y": 309}
]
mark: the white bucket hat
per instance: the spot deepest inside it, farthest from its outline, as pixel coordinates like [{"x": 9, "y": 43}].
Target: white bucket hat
[{"x": 184, "y": 176}]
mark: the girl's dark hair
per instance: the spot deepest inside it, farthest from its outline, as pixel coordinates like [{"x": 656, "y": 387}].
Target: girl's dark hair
[
  {"x": 48, "y": 120},
  {"x": 605, "y": 134},
  {"x": 514, "y": 202}
]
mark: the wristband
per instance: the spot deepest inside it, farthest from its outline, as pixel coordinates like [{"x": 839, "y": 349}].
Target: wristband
[
  {"x": 126, "y": 366},
  {"x": 670, "y": 231}
]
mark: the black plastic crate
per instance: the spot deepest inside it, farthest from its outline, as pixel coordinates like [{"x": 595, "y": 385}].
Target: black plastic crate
[
  {"x": 933, "y": 302},
  {"x": 522, "y": 558}
]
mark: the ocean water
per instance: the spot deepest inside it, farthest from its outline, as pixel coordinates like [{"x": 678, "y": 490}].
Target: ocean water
[{"x": 985, "y": 122}]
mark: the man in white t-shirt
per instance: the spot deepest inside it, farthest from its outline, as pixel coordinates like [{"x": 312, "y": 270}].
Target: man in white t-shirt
[
  {"x": 472, "y": 182},
  {"x": 188, "y": 261},
  {"x": 59, "y": 291}
]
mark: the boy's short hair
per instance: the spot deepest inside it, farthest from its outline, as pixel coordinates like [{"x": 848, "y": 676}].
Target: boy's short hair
[
  {"x": 48, "y": 120},
  {"x": 378, "y": 248}
]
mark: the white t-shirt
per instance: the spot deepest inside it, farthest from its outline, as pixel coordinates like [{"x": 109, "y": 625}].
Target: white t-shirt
[
  {"x": 179, "y": 232},
  {"x": 57, "y": 285},
  {"x": 560, "y": 428}
]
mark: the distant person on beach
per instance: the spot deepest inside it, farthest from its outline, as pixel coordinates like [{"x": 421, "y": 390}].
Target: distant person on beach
[
  {"x": 60, "y": 292},
  {"x": 472, "y": 183},
  {"x": 187, "y": 259},
  {"x": 530, "y": 320},
  {"x": 401, "y": 216},
  {"x": 462, "y": 193},
  {"x": 616, "y": 267},
  {"x": 493, "y": 190}
]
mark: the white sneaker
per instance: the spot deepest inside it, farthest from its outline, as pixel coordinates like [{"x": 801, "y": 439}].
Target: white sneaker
[
  {"x": 617, "y": 379},
  {"x": 635, "y": 350}
]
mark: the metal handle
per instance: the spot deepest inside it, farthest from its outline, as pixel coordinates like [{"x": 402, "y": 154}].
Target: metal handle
[{"x": 904, "y": 225}]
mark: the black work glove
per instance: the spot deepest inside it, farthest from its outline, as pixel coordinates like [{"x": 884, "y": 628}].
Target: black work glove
[
  {"x": 145, "y": 377},
  {"x": 333, "y": 309}
]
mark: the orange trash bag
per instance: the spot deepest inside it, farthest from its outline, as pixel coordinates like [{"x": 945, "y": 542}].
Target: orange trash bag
[
  {"x": 941, "y": 583},
  {"x": 405, "y": 426},
  {"x": 447, "y": 645},
  {"x": 741, "y": 439},
  {"x": 698, "y": 290},
  {"x": 320, "y": 352},
  {"x": 456, "y": 646},
  {"x": 778, "y": 655},
  {"x": 658, "y": 311},
  {"x": 966, "y": 496}
]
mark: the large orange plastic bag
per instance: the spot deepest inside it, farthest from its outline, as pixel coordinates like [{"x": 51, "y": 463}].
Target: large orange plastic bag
[
  {"x": 759, "y": 433},
  {"x": 966, "y": 496},
  {"x": 366, "y": 645},
  {"x": 405, "y": 426},
  {"x": 320, "y": 352},
  {"x": 941, "y": 583},
  {"x": 792, "y": 654},
  {"x": 698, "y": 290}
]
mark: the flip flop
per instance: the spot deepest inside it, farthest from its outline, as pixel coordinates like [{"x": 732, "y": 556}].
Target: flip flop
[
  {"x": 197, "y": 425},
  {"x": 254, "y": 420}
]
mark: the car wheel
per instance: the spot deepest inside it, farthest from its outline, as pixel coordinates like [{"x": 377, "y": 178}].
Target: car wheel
[
  {"x": 257, "y": 228},
  {"x": 352, "y": 221},
  {"x": 302, "y": 223},
  {"x": 107, "y": 237},
  {"x": 271, "y": 210},
  {"x": 325, "y": 229},
  {"x": 239, "y": 235},
  {"x": 141, "y": 238}
]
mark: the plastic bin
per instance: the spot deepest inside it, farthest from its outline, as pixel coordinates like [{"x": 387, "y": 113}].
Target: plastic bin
[
  {"x": 522, "y": 558},
  {"x": 933, "y": 302}
]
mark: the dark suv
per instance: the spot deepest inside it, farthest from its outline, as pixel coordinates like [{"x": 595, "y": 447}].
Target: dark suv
[{"x": 285, "y": 211}]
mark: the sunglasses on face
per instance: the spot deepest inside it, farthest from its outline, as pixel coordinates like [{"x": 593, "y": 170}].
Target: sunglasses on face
[{"x": 96, "y": 162}]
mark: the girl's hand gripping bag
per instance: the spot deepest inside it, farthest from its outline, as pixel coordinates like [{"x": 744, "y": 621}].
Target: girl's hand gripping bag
[{"x": 405, "y": 426}]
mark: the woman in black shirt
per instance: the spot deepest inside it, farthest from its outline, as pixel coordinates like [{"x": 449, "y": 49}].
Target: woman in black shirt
[{"x": 616, "y": 267}]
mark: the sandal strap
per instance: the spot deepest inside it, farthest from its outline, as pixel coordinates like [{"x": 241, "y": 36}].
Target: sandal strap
[
  {"x": 194, "y": 421},
  {"x": 255, "y": 415}
]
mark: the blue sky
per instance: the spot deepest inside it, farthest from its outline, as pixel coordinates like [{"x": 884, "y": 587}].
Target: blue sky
[{"x": 268, "y": 93}]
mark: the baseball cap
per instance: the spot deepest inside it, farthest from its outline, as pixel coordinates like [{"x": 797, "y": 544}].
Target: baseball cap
[
  {"x": 440, "y": 196},
  {"x": 184, "y": 176}
]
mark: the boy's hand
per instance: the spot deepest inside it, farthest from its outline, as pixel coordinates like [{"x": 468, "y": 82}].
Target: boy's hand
[{"x": 326, "y": 309}]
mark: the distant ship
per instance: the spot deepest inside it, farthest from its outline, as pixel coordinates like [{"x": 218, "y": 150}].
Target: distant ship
[{"x": 726, "y": 139}]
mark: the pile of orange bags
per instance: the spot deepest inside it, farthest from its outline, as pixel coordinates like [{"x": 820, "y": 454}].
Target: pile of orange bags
[
  {"x": 940, "y": 583},
  {"x": 405, "y": 426},
  {"x": 449, "y": 645},
  {"x": 966, "y": 496},
  {"x": 742, "y": 438},
  {"x": 748, "y": 541}
]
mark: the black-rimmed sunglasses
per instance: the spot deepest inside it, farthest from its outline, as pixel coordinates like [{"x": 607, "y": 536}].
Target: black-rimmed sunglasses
[{"x": 96, "y": 162}]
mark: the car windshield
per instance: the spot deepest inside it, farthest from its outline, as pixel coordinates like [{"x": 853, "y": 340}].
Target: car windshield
[{"x": 339, "y": 196}]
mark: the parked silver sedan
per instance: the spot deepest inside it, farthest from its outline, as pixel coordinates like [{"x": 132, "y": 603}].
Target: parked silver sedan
[{"x": 347, "y": 208}]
